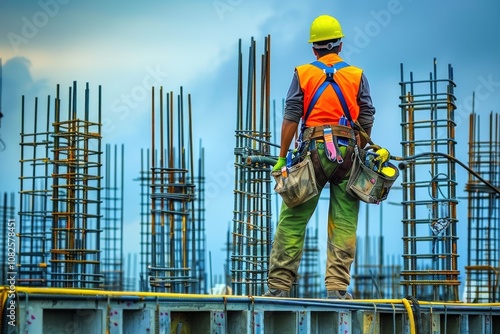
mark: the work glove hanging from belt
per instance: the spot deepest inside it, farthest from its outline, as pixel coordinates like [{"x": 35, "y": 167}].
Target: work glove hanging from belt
[
  {"x": 280, "y": 163},
  {"x": 383, "y": 156}
]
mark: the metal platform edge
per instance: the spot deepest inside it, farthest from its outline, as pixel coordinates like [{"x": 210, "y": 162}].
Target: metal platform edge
[{"x": 57, "y": 310}]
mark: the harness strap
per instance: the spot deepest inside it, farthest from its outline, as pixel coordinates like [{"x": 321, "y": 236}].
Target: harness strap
[
  {"x": 330, "y": 71},
  {"x": 340, "y": 160},
  {"x": 342, "y": 169},
  {"x": 321, "y": 177},
  {"x": 331, "y": 146}
]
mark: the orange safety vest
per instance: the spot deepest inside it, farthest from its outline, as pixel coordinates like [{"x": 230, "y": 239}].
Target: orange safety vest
[{"x": 328, "y": 109}]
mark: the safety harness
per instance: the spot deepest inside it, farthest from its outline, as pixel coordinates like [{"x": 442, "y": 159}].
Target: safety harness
[{"x": 331, "y": 146}]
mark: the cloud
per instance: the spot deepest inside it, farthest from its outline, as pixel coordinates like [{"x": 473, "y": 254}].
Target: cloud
[
  {"x": 17, "y": 81},
  {"x": 121, "y": 48}
]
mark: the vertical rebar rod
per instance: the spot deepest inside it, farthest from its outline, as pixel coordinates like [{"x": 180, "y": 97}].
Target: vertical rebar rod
[
  {"x": 56, "y": 243},
  {"x": 162, "y": 262},
  {"x": 154, "y": 259},
  {"x": 171, "y": 181},
  {"x": 122, "y": 206},
  {"x": 97, "y": 155},
  {"x": 195, "y": 223},
  {"x": 235, "y": 264}
]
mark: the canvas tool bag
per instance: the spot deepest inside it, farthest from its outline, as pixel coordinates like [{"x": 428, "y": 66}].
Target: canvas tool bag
[
  {"x": 298, "y": 184},
  {"x": 366, "y": 184}
]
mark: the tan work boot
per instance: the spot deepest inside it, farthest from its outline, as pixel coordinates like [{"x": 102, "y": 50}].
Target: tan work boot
[
  {"x": 277, "y": 293},
  {"x": 338, "y": 294}
]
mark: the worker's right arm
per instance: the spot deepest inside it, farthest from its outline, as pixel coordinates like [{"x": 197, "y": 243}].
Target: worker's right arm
[
  {"x": 294, "y": 110},
  {"x": 288, "y": 130}
]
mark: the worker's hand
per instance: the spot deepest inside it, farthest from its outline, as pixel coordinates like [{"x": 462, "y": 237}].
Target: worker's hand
[{"x": 280, "y": 163}]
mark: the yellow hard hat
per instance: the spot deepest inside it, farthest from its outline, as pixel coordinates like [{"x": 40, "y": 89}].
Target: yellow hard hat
[{"x": 324, "y": 28}]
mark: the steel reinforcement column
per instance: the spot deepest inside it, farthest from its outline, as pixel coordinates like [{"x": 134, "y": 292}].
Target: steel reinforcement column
[
  {"x": 172, "y": 197},
  {"x": 429, "y": 188},
  {"x": 112, "y": 220},
  {"x": 251, "y": 232},
  {"x": 76, "y": 195},
  {"x": 483, "y": 211},
  {"x": 35, "y": 182}
]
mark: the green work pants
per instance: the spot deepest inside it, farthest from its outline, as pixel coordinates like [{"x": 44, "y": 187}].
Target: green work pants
[{"x": 290, "y": 233}]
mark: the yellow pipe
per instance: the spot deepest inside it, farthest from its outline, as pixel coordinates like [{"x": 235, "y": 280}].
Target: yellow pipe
[
  {"x": 5, "y": 296},
  {"x": 410, "y": 315},
  {"x": 94, "y": 292},
  {"x": 398, "y": 301},
  {"x": 89, "y": 292}
]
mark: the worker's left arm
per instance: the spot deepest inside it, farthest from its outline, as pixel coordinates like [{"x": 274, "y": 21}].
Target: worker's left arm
[{"x": 366, "y": 109}]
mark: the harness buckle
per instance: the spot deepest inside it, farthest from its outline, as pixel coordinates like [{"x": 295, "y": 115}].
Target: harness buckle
[{"x": 329, "y": 72}]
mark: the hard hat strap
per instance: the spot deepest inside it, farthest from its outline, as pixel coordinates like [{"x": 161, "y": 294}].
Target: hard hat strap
[{"x": 328, "y": 46}]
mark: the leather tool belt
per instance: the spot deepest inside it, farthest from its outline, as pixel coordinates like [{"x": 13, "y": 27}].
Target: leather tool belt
[
  {"x": 315, "y": 132},
  {"x": 343, "y": 168}
]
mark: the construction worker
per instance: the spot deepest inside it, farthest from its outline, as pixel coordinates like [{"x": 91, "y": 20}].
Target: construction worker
[{"x": 286, "y": 253}]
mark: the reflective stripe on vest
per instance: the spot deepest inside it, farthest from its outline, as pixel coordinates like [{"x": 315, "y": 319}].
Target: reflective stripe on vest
[{"x": 328, "y": 109}]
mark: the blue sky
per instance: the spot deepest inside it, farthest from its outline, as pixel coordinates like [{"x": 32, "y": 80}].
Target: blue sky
[{"x": 129, "y": 46}]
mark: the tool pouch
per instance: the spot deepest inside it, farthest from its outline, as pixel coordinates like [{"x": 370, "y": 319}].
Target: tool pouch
[
  {"x": 298, "y": 185},
  {"x": 366, "y": 184}
]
